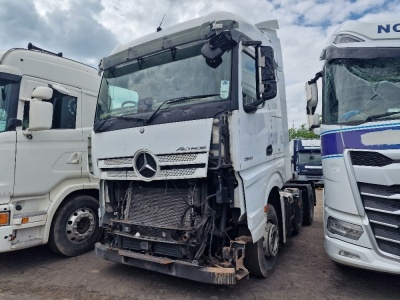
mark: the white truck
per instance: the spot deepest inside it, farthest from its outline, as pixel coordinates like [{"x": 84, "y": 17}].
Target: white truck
[
  {"x": 47, "y": 195},
  {"x": 360, "y": 139},
  {"x": 190, "y": 143}
]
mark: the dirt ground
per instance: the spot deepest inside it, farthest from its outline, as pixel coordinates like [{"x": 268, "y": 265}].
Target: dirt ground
[{"x": 304, "y": 272}]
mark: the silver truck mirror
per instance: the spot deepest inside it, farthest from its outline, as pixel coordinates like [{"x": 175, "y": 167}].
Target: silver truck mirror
[
  {"x": 313, "y": 121},
  {"x": 317, "y": 131},
  {"x": 312, "y": 97},
  {"x": 40, "y": 115}
]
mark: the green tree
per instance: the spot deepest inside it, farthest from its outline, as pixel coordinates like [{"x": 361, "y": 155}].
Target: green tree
[{"x": 301, "y": 133}]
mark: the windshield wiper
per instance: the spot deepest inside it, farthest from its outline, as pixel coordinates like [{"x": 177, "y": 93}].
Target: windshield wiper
[
  {"x": 375, "y": 117},
  {"x": 117, "y": 117},
  {"x": 177, "y": 100}
]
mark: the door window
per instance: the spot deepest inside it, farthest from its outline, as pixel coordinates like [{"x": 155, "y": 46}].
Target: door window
[
  {"x": 248, "y": 79},
  {"x": 64, "y": 111}
]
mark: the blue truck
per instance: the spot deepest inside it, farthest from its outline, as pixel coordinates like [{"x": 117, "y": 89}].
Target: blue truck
[{"x": 306, "y": 160}]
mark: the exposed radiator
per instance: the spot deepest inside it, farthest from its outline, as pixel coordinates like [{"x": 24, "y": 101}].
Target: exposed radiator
[{"x": 159, "y": 207}]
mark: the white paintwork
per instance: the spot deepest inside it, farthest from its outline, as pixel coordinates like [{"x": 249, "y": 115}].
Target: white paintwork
[
  {"x": 341, "y": 195},
  {"x": 386, "y": 137},
  {"x": 250, "y": 133},
  {"x": 39, "y": 173}
]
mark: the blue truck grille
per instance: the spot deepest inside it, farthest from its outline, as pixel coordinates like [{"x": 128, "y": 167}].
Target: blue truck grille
[{"x": 382, "y": 206}]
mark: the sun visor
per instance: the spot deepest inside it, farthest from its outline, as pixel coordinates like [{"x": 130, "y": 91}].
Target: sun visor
[
  {"x": 201, "y": 32},
  {"x": 333, "y": 52}
]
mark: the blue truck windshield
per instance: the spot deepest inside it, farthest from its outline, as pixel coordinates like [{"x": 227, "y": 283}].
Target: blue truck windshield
[
  {"x": 138, "y": 88},
  {"x": 361, "y": 90},
  {"x": 308, "y": 158}
]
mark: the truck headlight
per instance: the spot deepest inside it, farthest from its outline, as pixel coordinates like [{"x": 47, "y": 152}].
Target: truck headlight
[{"x": 346, "y": 229}]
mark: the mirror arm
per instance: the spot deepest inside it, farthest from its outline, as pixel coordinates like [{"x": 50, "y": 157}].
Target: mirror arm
[{"x": 315, "y": 79}]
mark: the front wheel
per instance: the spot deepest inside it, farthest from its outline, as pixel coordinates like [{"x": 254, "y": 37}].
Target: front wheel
[
  {"x": 75, "y": 227},
  {"x": 261, "y": 257}
]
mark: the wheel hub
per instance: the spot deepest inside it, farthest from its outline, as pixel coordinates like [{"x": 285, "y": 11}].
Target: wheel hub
[
  {"x": 80, "y": 225},
  {"x": 271, "y": 240}
]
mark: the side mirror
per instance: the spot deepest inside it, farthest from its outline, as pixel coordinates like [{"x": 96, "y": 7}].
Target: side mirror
[
  {"x": 40, "y": 115},
  {"x": 266, "y": 87},
  {"x": 313, "y": 121},
  {"x": 312, "y": 97},
  {"x": 265, "y": 82},
  {"x": 42, "y": 93},
  {"x": 317, "y": 131}
]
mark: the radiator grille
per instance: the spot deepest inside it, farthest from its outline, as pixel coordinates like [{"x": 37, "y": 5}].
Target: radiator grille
[
  {"x": 177, "y": 158},
  {"x": 177, "y": 172},
  {"x": 370, "y": 159},
  {"x": 118, "y": 161},
  {"x": 382, "y": 206},
  {"x": 159, "y": 207}
]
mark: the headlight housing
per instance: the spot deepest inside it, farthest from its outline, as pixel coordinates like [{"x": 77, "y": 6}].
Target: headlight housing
[{"x": 343, "y": 228}]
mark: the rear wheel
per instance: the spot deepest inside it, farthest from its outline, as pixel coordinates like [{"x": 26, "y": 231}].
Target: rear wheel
[
  {"x": 308, "y": 209},
  {"x": 75, "y": 227},
  {"x": 261, "y": 257}
]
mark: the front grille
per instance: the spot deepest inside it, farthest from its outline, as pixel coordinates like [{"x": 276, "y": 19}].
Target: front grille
[
  {"x": 158, "y": 206},
  {"x": 314, "y": 172},
  {"x": 177, "y": 158},
  {"x": 118, "y": 161},
  {"x": 382, "y": 206},
  {"x": 177, "y": 172},
  {"x": 370, "y": 159}
]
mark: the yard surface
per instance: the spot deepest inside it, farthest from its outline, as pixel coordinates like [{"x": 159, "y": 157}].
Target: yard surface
[{"x": 303, "y": 272}]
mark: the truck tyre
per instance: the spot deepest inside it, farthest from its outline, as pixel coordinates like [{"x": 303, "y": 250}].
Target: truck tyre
[
  {"x": 308, "y": 210},
  {"x": 75, "y": 226},
  {"x": 298, "y": 218},
  {"x": 261, "y": 257}
]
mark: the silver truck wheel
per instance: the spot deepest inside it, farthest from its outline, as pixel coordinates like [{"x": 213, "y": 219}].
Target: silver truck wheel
[{"x": 81, "y": 225}]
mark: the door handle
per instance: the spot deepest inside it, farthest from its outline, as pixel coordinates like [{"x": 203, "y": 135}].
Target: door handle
[
  {"x": 269, "y": 150},
  {"x": 75, "y": 158}
]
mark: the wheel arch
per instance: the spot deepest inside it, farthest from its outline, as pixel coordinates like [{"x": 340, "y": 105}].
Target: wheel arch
[
  {"x": 61, "y": 195},
  {"x": 275, "y": 199},
  {"x": 267, "y": 189}
]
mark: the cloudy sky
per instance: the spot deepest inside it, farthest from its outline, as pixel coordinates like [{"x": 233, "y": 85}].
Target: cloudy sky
[{"x": 87, "y": 30}]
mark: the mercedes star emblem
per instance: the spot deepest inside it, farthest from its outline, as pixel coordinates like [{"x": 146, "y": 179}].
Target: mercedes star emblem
[{"x": 145, "y": 165}]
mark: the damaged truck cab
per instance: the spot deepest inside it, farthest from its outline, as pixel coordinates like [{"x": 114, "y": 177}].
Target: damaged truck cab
[{"x": 190, "y": 143}]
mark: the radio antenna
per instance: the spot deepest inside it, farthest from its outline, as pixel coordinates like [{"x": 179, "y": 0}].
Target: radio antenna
[{"x": 159, "y": 27}]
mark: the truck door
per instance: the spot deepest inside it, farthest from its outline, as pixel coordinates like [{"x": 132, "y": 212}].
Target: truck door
[
  {"x": 48, "y": 157},
  {"x": 256, "y": 134},
  {"x": 255, "y": 146},
  {"x": 9, "y": 91}
]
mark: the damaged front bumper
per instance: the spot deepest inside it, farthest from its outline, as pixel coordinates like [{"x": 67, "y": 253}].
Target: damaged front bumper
[{"x": 182, "y": 269}]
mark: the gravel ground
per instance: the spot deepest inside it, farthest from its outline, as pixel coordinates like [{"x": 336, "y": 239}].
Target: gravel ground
[{"x": 304, "y": 272}]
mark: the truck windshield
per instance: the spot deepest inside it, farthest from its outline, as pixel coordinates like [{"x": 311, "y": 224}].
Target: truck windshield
[
  {"x": 361, "y": 90},
  {"x": 307, "y": 158},
  {"x": 7, "y": 103},
  {"x": 136, "y": 89}
]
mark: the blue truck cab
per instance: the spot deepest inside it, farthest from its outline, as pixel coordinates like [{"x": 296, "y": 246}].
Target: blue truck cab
[{"x": 306, "y": 160}]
